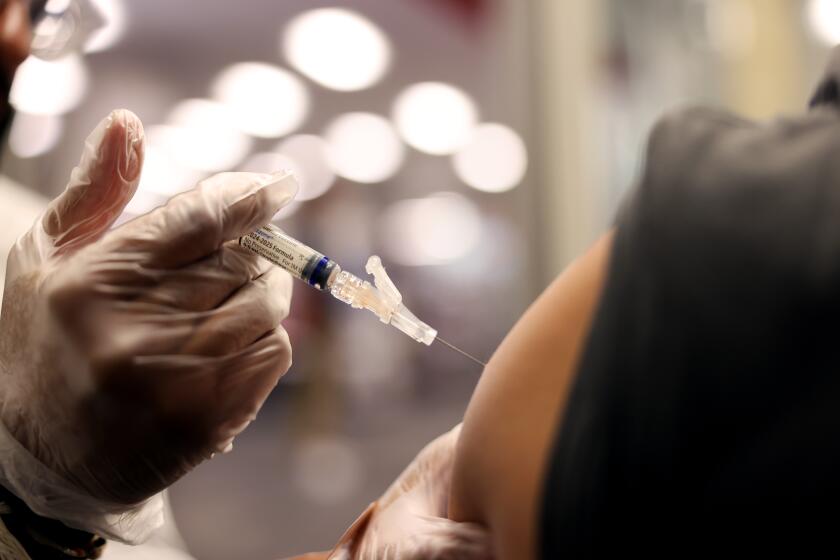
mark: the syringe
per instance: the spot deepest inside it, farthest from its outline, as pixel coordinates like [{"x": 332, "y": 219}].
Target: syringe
[{"x": 307, "y": 264}]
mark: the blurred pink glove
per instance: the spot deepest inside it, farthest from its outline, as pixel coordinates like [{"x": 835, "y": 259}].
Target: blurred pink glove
[
  {"x": 129, "y": 356},
  {"x": 409, "y": 521}
]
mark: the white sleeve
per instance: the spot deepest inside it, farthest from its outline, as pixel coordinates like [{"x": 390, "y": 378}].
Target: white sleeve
[{"x": 164, "y": 544}]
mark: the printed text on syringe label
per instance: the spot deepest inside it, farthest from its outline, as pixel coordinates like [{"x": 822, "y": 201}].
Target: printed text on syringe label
[{"x": 282, "y": 252}]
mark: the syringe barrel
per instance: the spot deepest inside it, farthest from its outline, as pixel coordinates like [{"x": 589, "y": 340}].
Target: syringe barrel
[{"x": 301, "y": 261}]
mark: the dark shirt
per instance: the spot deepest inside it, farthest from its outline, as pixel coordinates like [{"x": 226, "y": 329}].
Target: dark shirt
[{"x": 705, "y": 417}]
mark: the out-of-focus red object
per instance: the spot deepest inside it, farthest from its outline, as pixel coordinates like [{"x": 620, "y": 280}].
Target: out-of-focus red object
[{"x": 471, "y": 12}]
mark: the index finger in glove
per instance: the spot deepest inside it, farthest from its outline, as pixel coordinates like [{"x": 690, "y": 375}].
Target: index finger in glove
[
  {"x": 196, "y": 223},
  {"x": 205, "y": 284},
  {"x": 253, "y": 310}
]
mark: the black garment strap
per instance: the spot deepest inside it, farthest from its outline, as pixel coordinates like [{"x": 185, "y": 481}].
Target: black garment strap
[{"x": 46, "y": 539}]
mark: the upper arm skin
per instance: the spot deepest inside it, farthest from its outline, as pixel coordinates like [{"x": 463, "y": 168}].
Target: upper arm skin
[{"x": 514, "y": 413}]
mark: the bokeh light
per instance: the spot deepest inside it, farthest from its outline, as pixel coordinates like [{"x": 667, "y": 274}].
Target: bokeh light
[
  {"x": 52, "y": 87},
  {"x": 33, "y": 135},
  {"x": 113, "y": 28},
  {"x": 265, "y": 162},
  {"x": 364, "y": 147},
  {"x": 439, "y": 229},
  {"x": 305, "y": 156},
  {"x": 336, "y": 48},
  {"x": 495, "y": 160},
  {"x": 56, "y": 6},
  {"x": 270, "y": 162},
  {"x": 162, "y": 173},
  {"x": 435, "y": 117},
  {"x": 265, "y": 100},
  {"x": 824, "y": 18},
  {"x": 202, "y": 136}
]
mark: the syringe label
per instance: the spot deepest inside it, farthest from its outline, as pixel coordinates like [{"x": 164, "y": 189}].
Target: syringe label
[{"x": 282, "y": 251}]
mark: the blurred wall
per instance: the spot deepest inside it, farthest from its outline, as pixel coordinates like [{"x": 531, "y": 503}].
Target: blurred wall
[{"x": 568, "y": 78}]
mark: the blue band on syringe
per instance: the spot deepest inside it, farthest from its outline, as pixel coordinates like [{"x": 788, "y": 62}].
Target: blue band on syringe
[{"x": 291, "y": 255}]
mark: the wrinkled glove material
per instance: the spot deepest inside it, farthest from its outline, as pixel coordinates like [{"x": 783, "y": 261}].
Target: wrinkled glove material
[{"x": 129, "y": 355}]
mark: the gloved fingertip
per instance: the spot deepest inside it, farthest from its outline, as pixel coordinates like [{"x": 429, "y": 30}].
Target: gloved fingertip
[
  {"x": 281, "y": 186},
  {"x": 133, "y": 125},
  {"x": 96, "y": 137},
  {"x": 120, "y": 135},
  {"x": 125, "y": 130}
]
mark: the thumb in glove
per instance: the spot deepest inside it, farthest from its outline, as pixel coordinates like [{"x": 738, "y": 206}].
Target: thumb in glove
[{"x": 100, "y": 186}]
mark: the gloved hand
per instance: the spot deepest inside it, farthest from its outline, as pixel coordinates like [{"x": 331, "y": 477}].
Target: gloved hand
[
  {"x": 409, "y": 521},
  {"x": 129, "y": 356}
]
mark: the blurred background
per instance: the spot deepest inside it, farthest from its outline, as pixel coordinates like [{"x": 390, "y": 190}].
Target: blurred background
[{"x": 476, "y": 145}]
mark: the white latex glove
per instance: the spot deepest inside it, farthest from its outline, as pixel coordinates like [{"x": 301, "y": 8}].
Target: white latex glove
[
  {"x": 409, "y": 521},
  {"x": 129, "y": 356}
]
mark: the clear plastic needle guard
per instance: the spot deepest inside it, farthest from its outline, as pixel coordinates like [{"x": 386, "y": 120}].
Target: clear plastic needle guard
[{"x": 383, "y": 299}]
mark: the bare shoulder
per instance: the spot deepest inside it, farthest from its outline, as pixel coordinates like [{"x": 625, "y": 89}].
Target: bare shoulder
[{"x": 514, "y": 413}]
